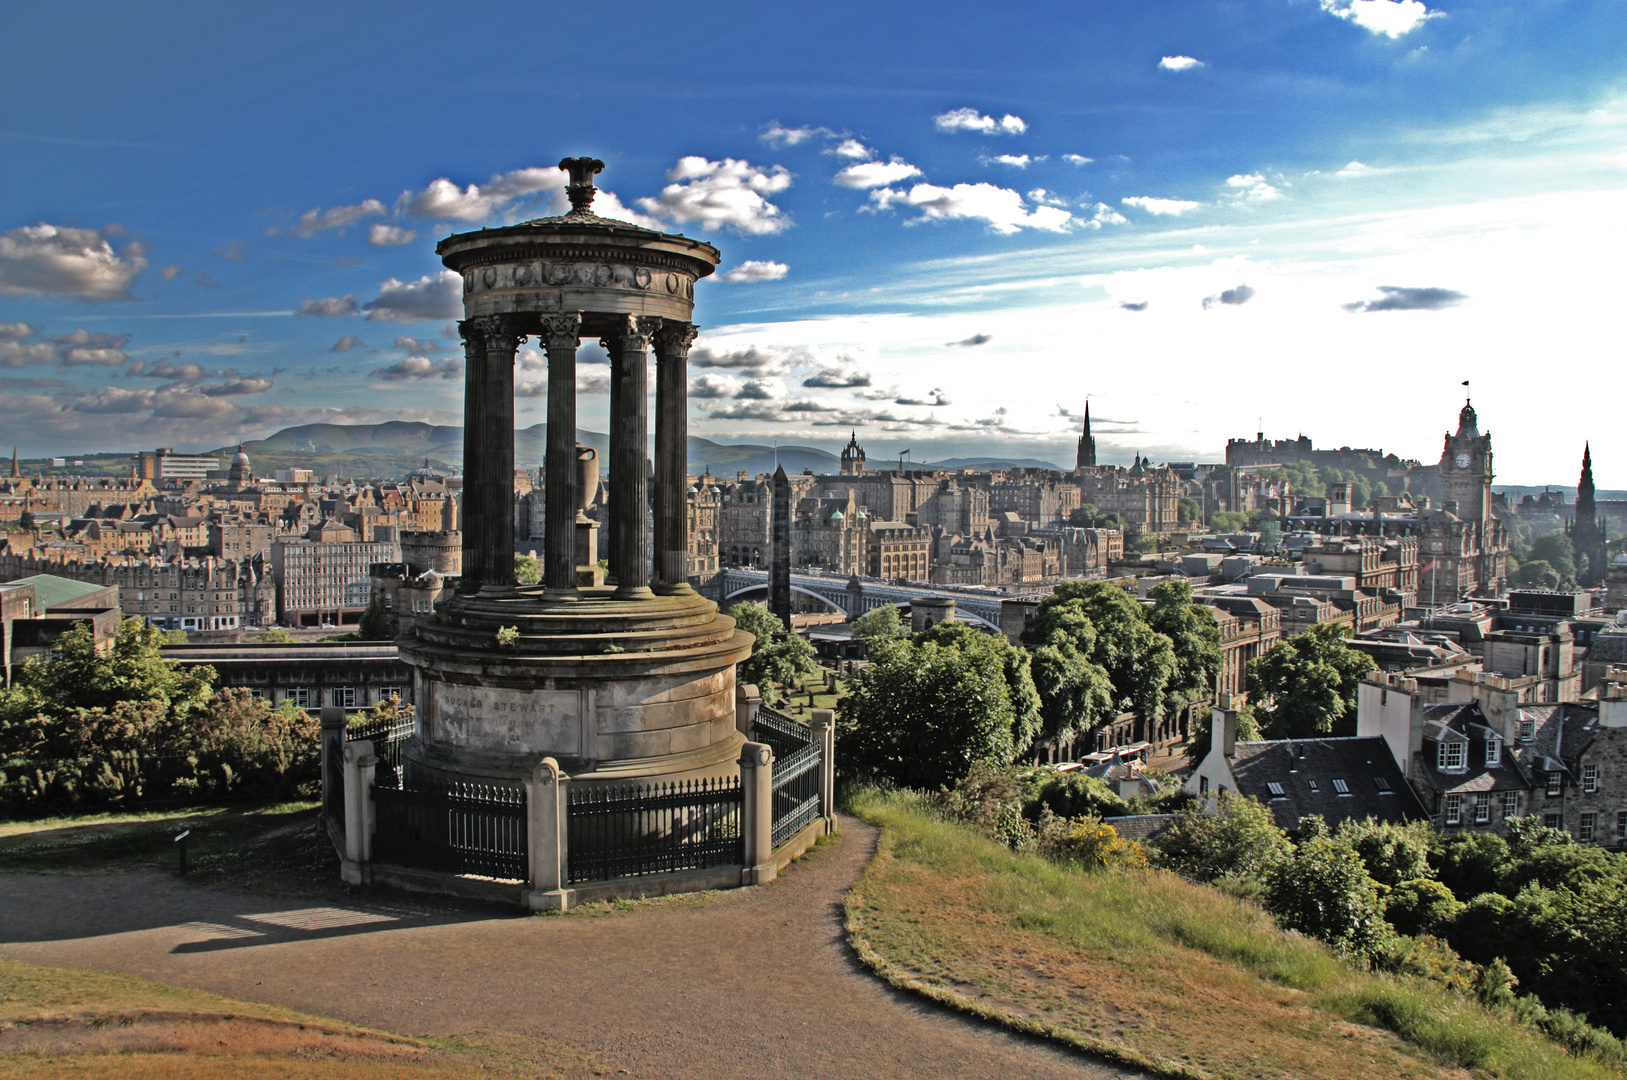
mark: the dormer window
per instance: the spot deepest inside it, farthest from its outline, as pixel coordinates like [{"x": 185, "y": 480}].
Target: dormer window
[
  {"x": 1313, "y": 785},
  {"x": 1382, "y": 783},
  {"x": 1341, "y": 787},
  {"x": 1494, "y": 751},
  {"x": 1276, "y": 790},
  {"x": 1556, "y": 784},
  {"x": 1449, "y": 756}
]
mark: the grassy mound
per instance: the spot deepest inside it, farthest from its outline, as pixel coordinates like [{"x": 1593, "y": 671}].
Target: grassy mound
[{"x": 1152, "y": 970}]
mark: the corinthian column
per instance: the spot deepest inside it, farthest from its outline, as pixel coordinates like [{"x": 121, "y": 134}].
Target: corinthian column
[
  {"x": 629, "y": 348},
  {"x": 488, "y": 494},
  {"x": 672, "y": 344},
  {"x": 561, "y": 336}
]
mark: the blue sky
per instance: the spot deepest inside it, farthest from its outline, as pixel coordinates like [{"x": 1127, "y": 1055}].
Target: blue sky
[{"x": 945, "y": 224}]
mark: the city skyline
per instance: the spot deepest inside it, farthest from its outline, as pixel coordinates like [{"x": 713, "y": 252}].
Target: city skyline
[{"x": 1318, "y": 218}]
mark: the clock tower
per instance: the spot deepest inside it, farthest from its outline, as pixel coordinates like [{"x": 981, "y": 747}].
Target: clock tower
[{"x": 1466, "y": 470}]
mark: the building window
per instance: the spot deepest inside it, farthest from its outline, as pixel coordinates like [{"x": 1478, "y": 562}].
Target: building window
[
  {"x": 1482, "y": 807},
  {"x": 388, "y": 692},
  {"x": 1556, "y": 784},
  {"x": 1312, "y": 784},
  {"x": 1590, "y": 778},
  {"x": 299, "y": 695},
  {"x": 1276, "y": 790},
  {"x": 1494, "y": 751},
  {"x": 1203, "y": 785},
  {"x": 1382, "y": 783},
  {"x": 1341, "y": 787},
  {"x": 344, "y": 696},
  {"x": 1621, "y": 824},
  {"x": 1551, "y": 821},
  {"x": 1454, "y": 809},
  {"x": 1528, "y": 730},
  {"x": 1584, "y": 828},
  {"x": 1449, "y": 755},
  {"x": 1511, "y": 804}
]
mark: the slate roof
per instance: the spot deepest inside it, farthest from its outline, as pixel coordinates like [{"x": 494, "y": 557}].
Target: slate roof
[
  {"x": 1304, "y": 770},
  {"x": 1463, "y": 721},
  {"x": 1609, "y": 647},
  {"x": 1141, "y": 826},
  {"x": 1563, "y": 732}
]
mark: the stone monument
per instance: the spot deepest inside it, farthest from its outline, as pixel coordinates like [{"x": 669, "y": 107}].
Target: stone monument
[{"x": 631, "y": 680}]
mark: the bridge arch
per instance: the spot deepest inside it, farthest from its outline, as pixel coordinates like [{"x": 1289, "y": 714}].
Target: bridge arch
[{"x": 744, "y": 593}]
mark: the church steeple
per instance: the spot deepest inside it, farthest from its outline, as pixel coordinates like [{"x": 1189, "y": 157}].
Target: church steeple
[
  {"x": 1086, "y": 457},
  {"x": 1584, "y": 489},
  {"x": 15, "y": 475},
  {"x": 853, "y": 456}
]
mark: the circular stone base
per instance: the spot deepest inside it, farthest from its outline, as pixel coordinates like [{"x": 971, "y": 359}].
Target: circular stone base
[{"x": 615, "y": 690}]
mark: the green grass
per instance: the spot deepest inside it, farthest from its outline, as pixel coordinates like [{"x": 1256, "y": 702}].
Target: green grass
[{"x": 1153, "y": 970}]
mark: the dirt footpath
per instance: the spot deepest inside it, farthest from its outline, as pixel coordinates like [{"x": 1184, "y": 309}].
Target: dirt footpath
[{"x": 750, "y": 983}]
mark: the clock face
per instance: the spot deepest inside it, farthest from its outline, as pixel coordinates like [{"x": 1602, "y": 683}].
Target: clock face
[{"x": 1462, "y": 461}]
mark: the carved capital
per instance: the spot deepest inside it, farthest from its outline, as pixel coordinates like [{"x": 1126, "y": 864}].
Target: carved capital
[
  {"x": 674, "y": 339},
  {"x": 500, "y": 334},
  {"x": 634, "y": 334},
  {"x": 562, "y": 331}
]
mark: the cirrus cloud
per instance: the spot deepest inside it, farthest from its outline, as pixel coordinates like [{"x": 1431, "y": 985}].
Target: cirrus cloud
[
  {"x": 337, "y": 217},
  {"x": 1160, "y": 207},
  {"x": 328, "y": 307}
]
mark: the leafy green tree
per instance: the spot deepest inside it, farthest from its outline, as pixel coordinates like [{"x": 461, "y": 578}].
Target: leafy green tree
[
  {"x": 878, "y": 624},
  {"x": 1200, "y": 731},
  {"x": 1108, "y": 627},
  {"x": 1305, "y": 686},
  {"x": 1556, "y": 550},
  {"x": 1535, "y": 574},
  {"x": 1324, "y": 891},
  {"x": 1194, "y": 637},
  {"x": 1073, "y": 795},
  {"x": 1075, "y": 694},
  {"x": 276, "y": 635},
  {"x": 1089, "y": 516},
  {"x": 1145, "y": 544},
  {"x": 1393, "y": 853},
  {"x": 1015, "y": 664},
  {"x": 83, "y": 676},
  {"x": 526, "y": 569},
  {"x": 1422, "y": 906},
  {"x": 778, "y": 657},
  {"x": 174, "y": 637},
  {"x": 1239, "y": 840},
  {"x": 1470, "y": 863},
  {"x": 922, "y": 714},
  {"x": 1188, "y": 510},
  {"x": 374, "y": 625},
  {"x": 1527, "y": 834},
  {"x": 1228, "y": 521}
]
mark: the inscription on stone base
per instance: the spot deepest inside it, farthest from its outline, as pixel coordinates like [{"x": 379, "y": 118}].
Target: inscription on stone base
[{"x": 516, "y": 721}]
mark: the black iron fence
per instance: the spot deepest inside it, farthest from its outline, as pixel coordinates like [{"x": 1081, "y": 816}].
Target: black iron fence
[
  {"x": 653, "y": 829},
  {"x": 782, "y": 734},
  {"x": 453, "y": 828},
  {"x": 389, "y": 740},
  {"x": 796, "y": 799}
]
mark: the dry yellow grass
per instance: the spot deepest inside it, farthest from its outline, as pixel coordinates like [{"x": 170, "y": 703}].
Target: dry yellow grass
[{"x": 1145, "y": 968}]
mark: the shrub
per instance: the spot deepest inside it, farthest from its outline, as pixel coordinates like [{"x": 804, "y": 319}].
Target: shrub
[
  {"x": 1072, "y": 795},
  {"x": 1093, "y": 844},
  {"x": 1392, "y": 853},
  {"x": 1239, "y": 840},
  {"x": 1469, "y": 862},
  {"x": 1324, "y": 891},
  {"x": 1422, "y": 906}
]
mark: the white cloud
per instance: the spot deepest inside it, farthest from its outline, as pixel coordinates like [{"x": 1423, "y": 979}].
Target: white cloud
[
  {"x": 1002, "y": 208},
  {"x": 754, "y": 270},
  {"x": 382, "y": 235},
  {"x": 39, "y": 259},
  {"x": 852, "y": 149},
  {"x": 712, "y": 386},
  {"x": 328, "y": 307},
  {"x": 1252, "y": 187},
  {"x": 1391, "y": 18},
  {"x": 418, "y": 346},
  {"x": 337, "y": 217},
  {"x": 85, "y": 349},
  {"x": 346, "y": 343},
  {"x": 727, "y": 194},
  {"x": 170, "y": 273},
  {"x": 872, "y": 174},
  {"x": 442, "y": 200},
  {"x": 1161, "y": 207},
  {"x": 1046, "y": 198},
  {"x": 844, "y": 373},
  {"x": 438, "y": 296},
  {"x": 1354, "y": 169},
  {"x": 183, "y": 403},
  {"x": 779, "y": 137},
  {"x": 756, "y": 360},
  {"x": 420, "y": 367},
  {"x": 1019, "y": 161},
  {"x": 1077, "y": 159},
  {"x": 235, "y": 387},
  {"x": 1179, "y": 63},
  {"x": 972, "y": 120},
  {"x": 1105, "y": 215}
]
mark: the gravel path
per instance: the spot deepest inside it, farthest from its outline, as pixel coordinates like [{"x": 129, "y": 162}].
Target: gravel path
[{"x": 749, "y": 983}]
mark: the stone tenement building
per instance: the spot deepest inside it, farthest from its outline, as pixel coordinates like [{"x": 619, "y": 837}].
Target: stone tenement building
[
  {"x": 899, "y": 550},
  {"x": 1146, "y": 497},
  {"x": 189, "y": 594},
  {"x": 1035, "y": 495},
  {"x": 831, "y": 532}
]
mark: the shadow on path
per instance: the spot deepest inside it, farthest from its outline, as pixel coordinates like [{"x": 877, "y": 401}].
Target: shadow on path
[{"x": 750, "y": 983}]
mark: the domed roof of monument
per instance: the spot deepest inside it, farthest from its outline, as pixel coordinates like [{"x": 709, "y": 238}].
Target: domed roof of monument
[{"x": 240, "y": 458}]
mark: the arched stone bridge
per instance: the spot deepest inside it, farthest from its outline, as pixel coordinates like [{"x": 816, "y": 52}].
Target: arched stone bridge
[{"x": 853, "y": 597}]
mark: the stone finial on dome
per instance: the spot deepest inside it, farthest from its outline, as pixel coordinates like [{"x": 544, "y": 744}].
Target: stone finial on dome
[{"x": 581, "y": 190}]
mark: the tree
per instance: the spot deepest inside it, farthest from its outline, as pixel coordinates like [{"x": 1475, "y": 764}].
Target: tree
[
  {"x": 878, "y": 624},
  {"x": 1145, "y": 544},
  {"x": 1535, "y": 574},
  {"x": 1074, "y": 795},
  {"x": 1554, "y": 549},
  {"x": 1089, "y": 516},
  {"x": 1193, "y": 635},
  {"x": 1226, "y": 521},
  {"x": 1015, "y": 664},
  {"x": 1422, "y": 906},
  {"x": 1470, "y": 862},
  {"x": 276, "y": 635},
  {"x": 1188, "y": 510},
  {"x": 526, "y": 570},
  {"x": 1239, "y": 840},
  {"x": 1392, "y": 853},
  {"x": 1324, "y": 891},
  {"x": 1305, "y": 686},
  {"x": 922, "y": 714},
  {"x": 777, "y": 657},
  {"x": 81, "y": 676},
  {"x": 374, "y": 625},
  {"x": 1200, "y": 733},
  {"x": 1108, "y": 627},
  {"x": 1075, "y": 693}
]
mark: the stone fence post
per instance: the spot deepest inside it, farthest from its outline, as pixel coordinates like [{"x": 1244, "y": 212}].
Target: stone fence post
[
  {"x": 747, "y": 700},
  {"x": 355, "y": 866},
  {"x": 333, "y": 748},
  {"x": 547, "y": 799},
  {"x": 823, "y": 725},
  {"x": 757, "y": 815}
]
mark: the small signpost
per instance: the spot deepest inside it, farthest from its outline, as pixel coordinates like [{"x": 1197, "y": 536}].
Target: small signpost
[{"x": 180, "y": 845}]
